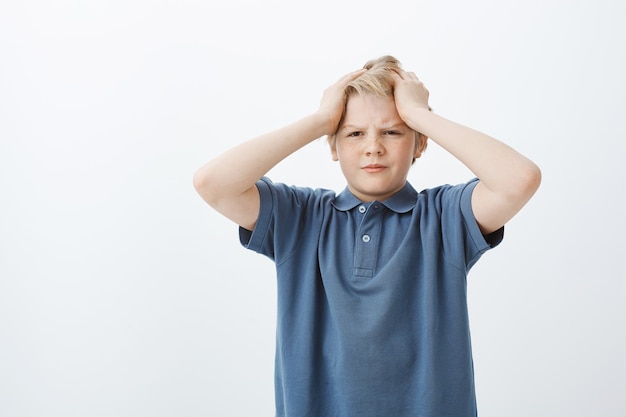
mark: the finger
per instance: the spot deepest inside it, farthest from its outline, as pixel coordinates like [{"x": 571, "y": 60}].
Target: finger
[
  {"x": 412, "y": 76},
  {"x": 396, "y": 75}
]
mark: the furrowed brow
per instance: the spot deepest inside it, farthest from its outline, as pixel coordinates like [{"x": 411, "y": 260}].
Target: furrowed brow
[{"x": 350, "y": 127}]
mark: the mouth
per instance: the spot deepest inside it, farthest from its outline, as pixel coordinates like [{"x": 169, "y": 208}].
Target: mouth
[{"x": 374, "y": 168}]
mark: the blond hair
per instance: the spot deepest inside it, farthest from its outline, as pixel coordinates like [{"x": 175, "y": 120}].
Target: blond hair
[{"x": 378, "y": 81}]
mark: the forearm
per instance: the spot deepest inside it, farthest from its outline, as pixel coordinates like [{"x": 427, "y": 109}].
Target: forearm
[
  {"x": 500, "y": 168},
  {"x": 238, "y": 169}
]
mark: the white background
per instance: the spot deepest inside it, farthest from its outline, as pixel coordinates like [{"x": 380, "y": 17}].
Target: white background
[{"x": 123, "y": 294}]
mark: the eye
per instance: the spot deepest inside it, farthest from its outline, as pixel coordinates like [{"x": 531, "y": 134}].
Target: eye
[
  {"x": 392, "y": 132},
  {"x": 354, "y": 134}
]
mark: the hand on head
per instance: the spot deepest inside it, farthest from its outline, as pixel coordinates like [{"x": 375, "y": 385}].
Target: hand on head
[
  {"x": 410, "y": 95},
  {"x": 333, "y": 101},
  {"x": 384, "y": 77}
]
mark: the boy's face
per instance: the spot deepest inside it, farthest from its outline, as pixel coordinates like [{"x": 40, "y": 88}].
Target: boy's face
[{"x": 374, "y": 147}]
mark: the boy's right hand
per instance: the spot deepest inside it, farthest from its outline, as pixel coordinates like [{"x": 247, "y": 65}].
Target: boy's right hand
[{"x": 333, "y": 101}]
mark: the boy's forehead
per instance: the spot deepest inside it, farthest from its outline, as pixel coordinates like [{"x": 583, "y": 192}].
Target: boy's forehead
[{"x": 361, "y": 109}]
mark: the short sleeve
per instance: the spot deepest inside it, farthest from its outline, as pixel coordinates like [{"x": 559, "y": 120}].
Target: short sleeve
[
  {"x": 461, "y": 227},
  {"x": 285, "y": 214},
  {"x": 260, "y": 239}
]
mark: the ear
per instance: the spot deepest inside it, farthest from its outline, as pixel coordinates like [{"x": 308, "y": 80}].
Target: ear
[
  {"x": 332, "y": 142},
  {"x": 420, "y": 144}
]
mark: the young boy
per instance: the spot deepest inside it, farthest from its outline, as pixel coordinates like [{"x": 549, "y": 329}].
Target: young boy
[{"x": 372, "y": 309}]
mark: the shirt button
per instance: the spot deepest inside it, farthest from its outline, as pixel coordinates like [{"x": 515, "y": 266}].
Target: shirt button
[
  {"x": 366, "y": 238},
  {"x": 362, "y": 209}
]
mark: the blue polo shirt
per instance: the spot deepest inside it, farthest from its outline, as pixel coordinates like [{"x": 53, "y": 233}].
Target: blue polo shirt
[{"x": 372, "y": 300}]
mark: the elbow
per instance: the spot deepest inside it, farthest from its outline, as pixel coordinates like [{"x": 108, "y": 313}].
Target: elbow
[
  {"x": 204, "y": 186},
  {"x": 533, "y": 177},
  {"x": 529, "y": 180},
  {"x": 198, "y": 180}
]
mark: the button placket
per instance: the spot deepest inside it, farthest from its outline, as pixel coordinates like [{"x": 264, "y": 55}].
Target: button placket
[{"x": 366, "y": 249}]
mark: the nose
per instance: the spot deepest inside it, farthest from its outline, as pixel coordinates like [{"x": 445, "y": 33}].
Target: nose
[{"x": 374, "y": 145}]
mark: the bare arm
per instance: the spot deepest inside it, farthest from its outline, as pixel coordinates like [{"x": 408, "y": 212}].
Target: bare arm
[
  {"x": 227, "y": 183},
  {"x": 507, "y": 178}
]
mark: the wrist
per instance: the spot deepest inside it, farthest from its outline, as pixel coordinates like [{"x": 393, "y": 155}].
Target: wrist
[
  {"x": 417, "y": 117},
  {"x": 319, "y": 124},
  {"x": 324, "y": 123}
]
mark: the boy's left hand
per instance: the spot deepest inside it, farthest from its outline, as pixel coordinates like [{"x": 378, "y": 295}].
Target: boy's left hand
[{"x": 410, "y": 95}]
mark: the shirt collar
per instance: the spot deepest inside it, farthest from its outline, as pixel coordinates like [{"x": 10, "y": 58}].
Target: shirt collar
[{"x": 401, "y": 202}]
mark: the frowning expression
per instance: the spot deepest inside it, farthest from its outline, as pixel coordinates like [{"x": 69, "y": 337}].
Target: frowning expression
[{"x": 374, "y": 147}]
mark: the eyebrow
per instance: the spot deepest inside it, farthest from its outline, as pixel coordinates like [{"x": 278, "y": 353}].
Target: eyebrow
[{"x": 395, "y": 126}]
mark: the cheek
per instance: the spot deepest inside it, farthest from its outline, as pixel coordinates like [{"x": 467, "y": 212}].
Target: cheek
[
  {"x": 345, "y": 151},
  {"x": 407, "y": 149}
]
